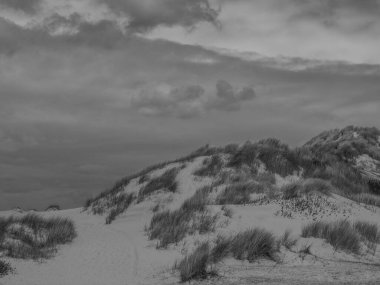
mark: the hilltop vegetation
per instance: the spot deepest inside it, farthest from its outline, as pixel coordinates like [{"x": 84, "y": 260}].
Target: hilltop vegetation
[{"x": 330, "y": 159}]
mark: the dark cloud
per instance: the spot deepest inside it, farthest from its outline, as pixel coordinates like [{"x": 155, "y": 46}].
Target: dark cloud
[
  {"x": 145, "y": 15},
  {"x": 190, "y": 101},
  {"x": 26, "y": 6}
]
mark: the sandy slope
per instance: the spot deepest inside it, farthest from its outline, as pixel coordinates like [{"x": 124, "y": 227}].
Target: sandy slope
[{"x": 113, "y": 254}]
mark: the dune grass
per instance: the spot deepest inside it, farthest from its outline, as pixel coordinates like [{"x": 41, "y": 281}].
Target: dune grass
[
  {"x": 194, "y": 266},
  {"x": 167, "y": 181},
  {"x": 306, "y": 187},
  {"x": 32, "y": 236},
  {"x": 211, "y": 166},
  {"x": 239, "y": 193},
  {"x": 250, "y": 245},
  {"x": 170, "y": 227},
  {"x": 340, "y": 234},
  {"x": 121, "y": 206}
]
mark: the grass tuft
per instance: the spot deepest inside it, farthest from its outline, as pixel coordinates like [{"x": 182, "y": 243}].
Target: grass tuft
[
  {"x": 194, "y": 266},
  {"x": 32, "y": 236},
  {"x": 211, "y": 166},
  {"x": 239, "y": 193},
  {"x": 340, "y": 234},
  {"x": 166, "y": 181}
]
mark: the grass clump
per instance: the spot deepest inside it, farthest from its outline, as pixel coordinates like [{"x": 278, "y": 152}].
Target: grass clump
[
  {"x": 306, "y": 187},
  {"x": 249, "y": 245},
  {"x": 170, "y": 227},
  {"x": 194, "y": 266},
  {"x": 287, "y": 241},
  {"x": 340, "y": 234},
  {"x": 253, "y": 244},
  {"x": 370, "y": 234},
  {"x": 211, "y": 166},
  {"x": 166, "y": 181},
  {"x": 238, "y": 194},
  {"x": 32, "y": 236},
  {"x": 5, "y": 268},
  {"x": 121, "y": 206}
]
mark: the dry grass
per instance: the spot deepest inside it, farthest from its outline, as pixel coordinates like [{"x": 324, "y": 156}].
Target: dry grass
[
  {"x": 211, "y": 166},
  {"x": 166, "y": 181},
  {"x": 249, "y": 245},
  {"x": 194, "y": 266},
  {"x": 306, "y": 187},
  {"x": 32, "y": 236},
  {"x": 170, "y": 227},
  {"x": 239, "y": 193},
  {"x": 121, "y": 206},
  {"x": 340, "y": 234}
]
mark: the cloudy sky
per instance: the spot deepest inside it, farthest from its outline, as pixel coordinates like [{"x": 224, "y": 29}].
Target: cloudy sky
[{"x": 92, "y": 90}]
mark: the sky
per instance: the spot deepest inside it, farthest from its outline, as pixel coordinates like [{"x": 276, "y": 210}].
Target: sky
[{"x": 94, "y": 90}]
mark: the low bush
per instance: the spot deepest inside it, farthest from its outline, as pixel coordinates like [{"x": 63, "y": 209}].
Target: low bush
[
  {"x": 239, "y": 193},
  {"x": 32, "y": 236},
  {"x": 53, "y": 208},
  {"x": 5, "y": 268},
  {"x": 340, "y": 234},
  {"x": 166, "y": 181},
  {"x": 211, "y": 166}
]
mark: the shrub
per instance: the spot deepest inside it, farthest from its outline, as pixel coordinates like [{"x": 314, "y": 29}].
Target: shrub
[
  {"x": 239, "y": 193},
  {"x": 143, "y": 178},
  {"x": 32, "y": 236},
  {"x": 211, "y": 167},
  {"x": 5, "y": 268},
  {"x": 194, "y": 266},
  {"x": 253, "y": 244},
  {"x": 166, "y": 181},
  {"x": 340, "y": 234}
]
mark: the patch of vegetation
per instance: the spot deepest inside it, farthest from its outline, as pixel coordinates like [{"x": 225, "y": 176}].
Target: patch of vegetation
[
  {"x": 250, "y": 245},
  {"x": 121, "y": 206},
  {"x": 239, "y": 193},
  {"x": 194, "y": 266},
  {"x": 54, "y": 207},
  {"x": 170, "y": 227},
  {"x": 306, "y": 187},
  {"x": 340, "y": 234},
  {"x": 287, "y": 240},
  {"x": 166, "y": 181},
  {"x": 253, "y": 244},
  {"x": 32, "y": 236},
  {"x": 211, "y": 166},
  {"x": 369, "y": 232},
  {"x": 5, "y": 268},
  {"x": 366, "y": 198}
]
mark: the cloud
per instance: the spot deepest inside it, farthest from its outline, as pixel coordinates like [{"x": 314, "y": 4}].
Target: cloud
[
  {"x": 144, "y": 15},
  {"x": 26, "y": 6},
  {"x": 190, "y": 101}
]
